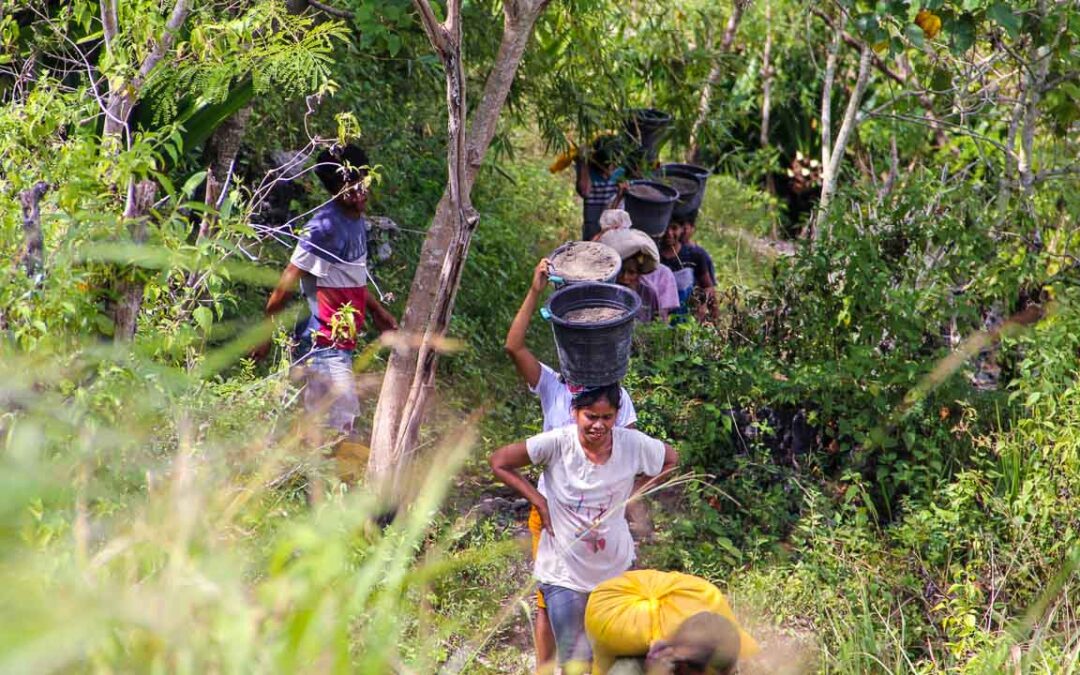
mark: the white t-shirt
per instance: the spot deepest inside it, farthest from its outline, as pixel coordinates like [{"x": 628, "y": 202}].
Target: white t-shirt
[
  {"x": 587, "y": 502},
  {"x": 555, "y": 400}
]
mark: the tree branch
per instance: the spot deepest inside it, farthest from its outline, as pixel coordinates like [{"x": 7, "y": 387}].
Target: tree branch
[
  {"x": 855, "y": 43},
  {"x": 110, "y": 24},
  {"x": 832, "y": 170},
  {"x": 436, "y": 32},
  {"x": 331, "y": 10},
  {"x": 176, "y": 20}
]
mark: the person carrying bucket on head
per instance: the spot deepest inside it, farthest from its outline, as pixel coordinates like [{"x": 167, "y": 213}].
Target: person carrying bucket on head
[
  {"x": 663, "y": 623},
  {"x": 691, "y": 269},
  {"x": 654, "y": 283},
  {"x": 640, "y": 256},
  {"x": 590, "y": 472},
  {"x": 598, "y": 179},
  {"x": 556, "y": 396}
]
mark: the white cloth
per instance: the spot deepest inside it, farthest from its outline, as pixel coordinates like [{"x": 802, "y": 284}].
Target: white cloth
[
  {"x": 615, "y": 219},
  {"x": 630, "y": 243},
  {"x": 555, "y": 400},
  {"x": 587, "y": 503}
]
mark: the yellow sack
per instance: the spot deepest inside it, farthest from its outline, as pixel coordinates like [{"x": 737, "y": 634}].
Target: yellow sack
[
  {"x": 564, "y": 160},
  {"x": 628, "y": 613}
]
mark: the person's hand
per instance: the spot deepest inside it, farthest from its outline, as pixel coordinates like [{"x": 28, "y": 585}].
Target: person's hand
[
  {"x": 540, "y": 275},
  {"x": 260, "y": 352},
  {"x": 545, "y": 516},
  {"x": 385, "y": 321}
]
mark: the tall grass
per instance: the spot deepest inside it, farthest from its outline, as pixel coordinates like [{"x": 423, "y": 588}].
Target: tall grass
[{"x": 155, "y": 522}]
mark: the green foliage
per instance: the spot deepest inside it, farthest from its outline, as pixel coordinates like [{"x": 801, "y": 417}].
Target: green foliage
[{"x": 920, "y": 525}]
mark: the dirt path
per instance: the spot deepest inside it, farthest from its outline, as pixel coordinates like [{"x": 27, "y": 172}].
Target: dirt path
[{"x": 769, "y": 248}]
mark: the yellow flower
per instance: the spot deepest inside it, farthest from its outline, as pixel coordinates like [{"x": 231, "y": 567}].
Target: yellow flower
[{"x": 929, "y": 22}]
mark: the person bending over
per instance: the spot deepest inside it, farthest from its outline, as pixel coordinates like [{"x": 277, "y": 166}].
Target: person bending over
[
  {"x": 648, "y": 621},
  {"x": 555, "y": 396},
  {"x": 590, "y": 470},
  {"x": 704, "y": 644}
]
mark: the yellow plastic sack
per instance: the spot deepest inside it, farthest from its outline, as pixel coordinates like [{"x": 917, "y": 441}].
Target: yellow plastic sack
[
  {"x": 564, "y": 160},
  {"x": 628, "y": 613}
]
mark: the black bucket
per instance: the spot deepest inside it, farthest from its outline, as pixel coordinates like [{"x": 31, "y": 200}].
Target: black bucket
[
  {"x": 593, "y": 354},
  {"x": 648, "y": 127},
  {"x": 689, "y": 197},
  {"x": 648, "y": 215}
]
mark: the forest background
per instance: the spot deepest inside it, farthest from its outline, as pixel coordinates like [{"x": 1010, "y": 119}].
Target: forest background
[{"x": 880, "y": 435}]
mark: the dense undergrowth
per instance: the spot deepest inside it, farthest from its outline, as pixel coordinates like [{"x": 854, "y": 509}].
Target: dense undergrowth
[{"x": 867, "y": 507}]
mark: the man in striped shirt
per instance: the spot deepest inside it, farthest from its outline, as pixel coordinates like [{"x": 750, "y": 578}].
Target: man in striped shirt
[
  {"x": 330, "y": 265},
  {"x": 598, "y": 178}
]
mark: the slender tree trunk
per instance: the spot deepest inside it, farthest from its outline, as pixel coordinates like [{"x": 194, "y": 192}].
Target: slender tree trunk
[
  {"x": 826, "y": 100},
  {"x": 139, "y": 198},
  {"x": 410, "y": 372},
  {"x": 129, "y": 289},
  {"x": 831, "y": 170},
  {"x": 705, "y": 101},
  {"x": 32, "y": 257},
  {"x": 766, "y": 96}
]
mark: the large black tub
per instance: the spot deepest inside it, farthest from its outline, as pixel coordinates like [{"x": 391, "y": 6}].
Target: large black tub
[
  {"x": 649, "y": 204},
  {"x": 594, "y": 349}
]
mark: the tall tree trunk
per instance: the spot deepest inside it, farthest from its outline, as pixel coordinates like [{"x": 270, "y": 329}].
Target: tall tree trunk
[
  {"x": 32, "y": 256},
  {"x": 129, "y": 289},
  {"x": 831, "y": 170},
  {"x": 705, "y": 102},
  {"x": 410, "y": 372},
  {"x": 139, "y": 198},
  {"x": 766, "y": 96}
]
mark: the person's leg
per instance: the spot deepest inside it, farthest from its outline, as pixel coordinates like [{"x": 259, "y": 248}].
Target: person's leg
[
  {"x": 545, "y": 640},
  {"x": 542, "y": 635},
  {"x": 332, "y": 405},
  {"x": 566, "y": 611},
  {"x": 330, "y": 392}
]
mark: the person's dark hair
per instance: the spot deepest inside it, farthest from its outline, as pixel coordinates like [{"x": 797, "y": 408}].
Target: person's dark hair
[
  {"x": 688, "y": 219},
  {"x": 589, "y": 395},
  {"x": 341, "y": 165},
  {"x": 606, "y": 150}
]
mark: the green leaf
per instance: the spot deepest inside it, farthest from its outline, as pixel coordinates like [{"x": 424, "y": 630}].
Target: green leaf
[
  {"x": 962, "y": 33},
  {"x": 393, "y": 43},
  {"x": 204, "y": 317},
  {"x": 1004, "y": 17},
  {"x": 193, "y": 182},
  {"x": 915, "y": 35}
]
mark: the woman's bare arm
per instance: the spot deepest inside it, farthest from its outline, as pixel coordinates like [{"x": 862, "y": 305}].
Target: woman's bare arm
[
  {"x": 505, "y": 463},
  {"x": 525, "y": 362}
]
